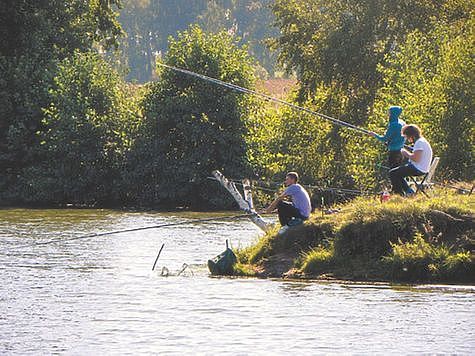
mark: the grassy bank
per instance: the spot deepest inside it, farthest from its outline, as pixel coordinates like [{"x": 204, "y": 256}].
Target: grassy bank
[{"x": 407, "y": 240}]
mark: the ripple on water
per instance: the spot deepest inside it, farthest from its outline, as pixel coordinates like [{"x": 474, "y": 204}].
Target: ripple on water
[{"x": 99, "y": 295}]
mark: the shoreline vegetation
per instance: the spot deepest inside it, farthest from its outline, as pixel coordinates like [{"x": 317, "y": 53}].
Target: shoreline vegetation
[{"x": 418, "y": 240}]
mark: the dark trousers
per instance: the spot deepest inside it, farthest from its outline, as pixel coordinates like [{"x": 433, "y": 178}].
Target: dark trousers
[
  {"x": 287, "y": 211},
  {"x": 394, "y": 159},
  {"x": 397, "y": 175}
]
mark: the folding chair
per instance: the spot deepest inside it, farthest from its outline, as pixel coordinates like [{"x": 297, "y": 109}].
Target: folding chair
[{"x": 425, "y": 181}]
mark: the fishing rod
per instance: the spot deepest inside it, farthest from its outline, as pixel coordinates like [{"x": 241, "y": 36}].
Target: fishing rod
[
  {"x": 270, "y": 98},
  {"x": 238, "y": 182},
  {"x": 265, "y": 96},
  {"x": 342, "y": 191},
  {"x": 136, "y": 229}
]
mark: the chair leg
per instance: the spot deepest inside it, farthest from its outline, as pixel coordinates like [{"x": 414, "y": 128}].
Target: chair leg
[
  {"x": 419, "y": 187},
  {"x": 422, "y": 190}
]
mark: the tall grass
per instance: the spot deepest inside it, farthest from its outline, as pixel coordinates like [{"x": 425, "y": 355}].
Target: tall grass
[{"x": 419, "y": 260}]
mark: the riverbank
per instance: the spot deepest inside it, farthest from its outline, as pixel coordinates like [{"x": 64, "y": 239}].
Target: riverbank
[{"x": 428, "y": 240}]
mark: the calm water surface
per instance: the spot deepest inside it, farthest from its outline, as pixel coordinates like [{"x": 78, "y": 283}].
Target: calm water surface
[{"x": 99, "y": 296}]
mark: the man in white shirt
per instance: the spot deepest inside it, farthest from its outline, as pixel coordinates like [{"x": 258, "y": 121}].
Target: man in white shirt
[{"x": 419, "y": 160}]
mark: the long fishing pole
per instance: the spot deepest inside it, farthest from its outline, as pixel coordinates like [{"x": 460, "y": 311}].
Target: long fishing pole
[
  {"x": 137, "y": 229},
  {"x": 265, "y": 96},
  {"x": 342, "y": 191}
]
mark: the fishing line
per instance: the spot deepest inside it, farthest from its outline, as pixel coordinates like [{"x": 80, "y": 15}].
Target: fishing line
[
  {"x": 135, "y": 229},
  {"x": 270, "y": 98},
  {"x": 265, "y": 96},
  {"x": 341, "y": 191}
]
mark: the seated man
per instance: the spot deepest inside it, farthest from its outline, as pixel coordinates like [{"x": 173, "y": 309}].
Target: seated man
[
  {"x": 419, "y": 160},
  {"x": 300, "y": 206}
]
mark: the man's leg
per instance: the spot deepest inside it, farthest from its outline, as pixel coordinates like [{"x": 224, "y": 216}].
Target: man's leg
[
  {"x": 397, "y": 175},
  {"x": 286, "y": 212}
]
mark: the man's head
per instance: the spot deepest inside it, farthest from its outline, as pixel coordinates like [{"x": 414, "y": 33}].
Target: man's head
[
  {"x": 291, "y": 178},
  {"x": 411, "y": 132}
]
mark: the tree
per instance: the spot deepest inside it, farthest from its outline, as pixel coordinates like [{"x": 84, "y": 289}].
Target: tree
[
  {"x": 35, "y": 36},
  {"x": 149, "y": 23},
  {"x": 191, "y": 126},
  {"x": 86, "y": 126},
  {"x": 336, "y": 49},
  {"x": 250, "y": 20},
  {"x": 432, "y": 78}
]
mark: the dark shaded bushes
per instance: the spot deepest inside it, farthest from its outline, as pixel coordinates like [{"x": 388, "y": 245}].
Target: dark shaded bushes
[
  {"x": 192, "y": 127},
  {"x": 85, "y": 135}
]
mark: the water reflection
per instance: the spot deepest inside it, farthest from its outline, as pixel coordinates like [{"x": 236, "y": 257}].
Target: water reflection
[{"x": 99, "y": 295}]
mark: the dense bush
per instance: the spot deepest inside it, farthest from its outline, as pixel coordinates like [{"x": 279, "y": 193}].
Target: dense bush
[
  {"x": 85, "y": 135},
  {"x": 36, "y": 36},
  {"x": 24, "y": 84},
  {"x": 192, "y": 127},
  {"x": 422, "y": 261}
]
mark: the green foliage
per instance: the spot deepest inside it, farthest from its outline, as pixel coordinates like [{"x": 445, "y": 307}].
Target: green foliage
[
  {"x": 55, "y": 28},
  {"x": 336, "y": 51},
  {"x": 23, "y": 92},
  {"x": 420, "y": 260},
  {"x": 84, "y": 136},
  {"x": 431, "y": 76},
  {"x": 317, "y": 261},
  {"x": 342, "y": 44},
  {"x": 149, "y": 23},
  {"x": 352, "y": 60},
  {"x": 249, "y": 20},
  {"x": 191, "y": 126},
  {"x": 36, "y": 35},
  {"x": 264, "y": 142}
]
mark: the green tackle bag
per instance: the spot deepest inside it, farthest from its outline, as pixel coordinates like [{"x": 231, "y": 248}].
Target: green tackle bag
[{"x": 222, "y": 265}]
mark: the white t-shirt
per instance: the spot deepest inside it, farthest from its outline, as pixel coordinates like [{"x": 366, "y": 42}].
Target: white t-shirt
[{"x": 426, "y": 157}]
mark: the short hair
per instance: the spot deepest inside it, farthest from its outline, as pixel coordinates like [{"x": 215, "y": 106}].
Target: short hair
[
  {"x": 293, "y": 175},
  {"x": 413, "y": 131}
]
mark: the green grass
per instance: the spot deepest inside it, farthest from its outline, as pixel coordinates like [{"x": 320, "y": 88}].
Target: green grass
[
  {"x": 318, "y": 260},
  {"x": 418, "y": 239},
  {"x": 422, "y": 261},
  {"x": 244, "y": 270}
]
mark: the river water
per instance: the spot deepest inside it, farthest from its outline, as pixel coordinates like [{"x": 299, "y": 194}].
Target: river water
[{"x": 99, "y": 295}]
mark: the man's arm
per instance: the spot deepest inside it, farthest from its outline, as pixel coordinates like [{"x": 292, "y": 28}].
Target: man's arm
[
  {"x": 273, "y": 205},
  {"x": 414, "y": 156}
]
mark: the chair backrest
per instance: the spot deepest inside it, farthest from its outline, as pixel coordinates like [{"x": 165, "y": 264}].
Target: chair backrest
[{"x": 433, "y": 166}]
